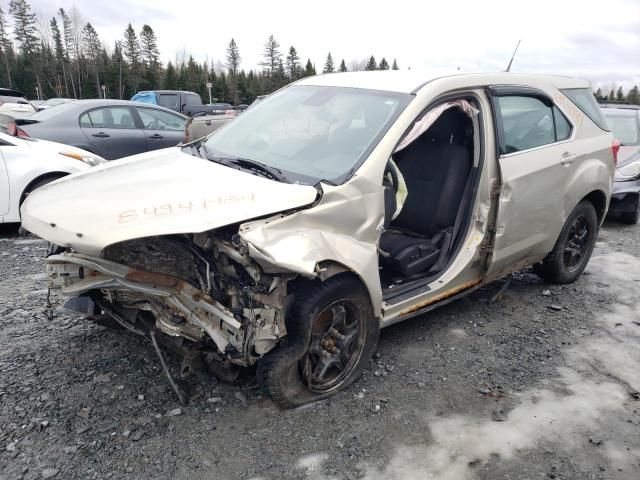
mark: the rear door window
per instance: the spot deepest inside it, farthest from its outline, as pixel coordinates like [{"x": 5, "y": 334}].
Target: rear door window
[
  {"x": 158, "y": 120},
  {"x": 169, "y": 100},
  {"x": 108, "y": 117},
  {"x": 527, "y": 122}
]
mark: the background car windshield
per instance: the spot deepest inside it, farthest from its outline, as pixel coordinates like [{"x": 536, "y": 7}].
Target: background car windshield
[
  {"x": 625, "y": 128},
  {"x": 12, "y": 99},
  {"x": 310, "y": 133}
]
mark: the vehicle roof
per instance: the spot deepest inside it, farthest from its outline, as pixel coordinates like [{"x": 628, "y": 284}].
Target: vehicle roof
[
  {"x": 410, "y": 81},
  {"x": 168, "y": 91},
  {"x": 76, "y": 106}
]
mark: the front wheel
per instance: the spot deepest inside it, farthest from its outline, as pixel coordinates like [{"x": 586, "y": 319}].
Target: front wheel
[
  {"x": 573, "y": 249},
  {"x": 331, "y": 335}
]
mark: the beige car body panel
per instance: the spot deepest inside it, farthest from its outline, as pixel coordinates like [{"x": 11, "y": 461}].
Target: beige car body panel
[{"x": 341, "y": 231}]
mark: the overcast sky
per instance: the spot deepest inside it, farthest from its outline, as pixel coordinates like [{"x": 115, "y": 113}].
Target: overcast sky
[{"x": 596, "y": 40}]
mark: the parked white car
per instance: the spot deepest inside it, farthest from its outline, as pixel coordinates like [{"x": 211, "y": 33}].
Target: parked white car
[
  {"x": 26, "y": 164},
  {"x": 14, "y": 102}
]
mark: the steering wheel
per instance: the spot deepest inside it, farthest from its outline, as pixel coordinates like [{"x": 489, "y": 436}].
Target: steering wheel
[{"x": 391, "y": 175}]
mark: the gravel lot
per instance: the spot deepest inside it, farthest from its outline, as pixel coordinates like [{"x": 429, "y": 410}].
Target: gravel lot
[{"x": 541, "y": 383}]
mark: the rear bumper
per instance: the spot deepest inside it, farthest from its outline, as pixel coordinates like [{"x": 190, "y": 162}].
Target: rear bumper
[{"x": 624, "y": 198}]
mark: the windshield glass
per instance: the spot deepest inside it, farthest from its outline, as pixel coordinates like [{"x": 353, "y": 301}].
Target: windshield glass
[
  {"x": 625, "y": 128},
  {"x": 310, "y": 133}
]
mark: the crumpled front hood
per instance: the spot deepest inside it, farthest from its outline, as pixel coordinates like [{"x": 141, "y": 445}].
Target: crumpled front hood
[{"x": 156, "y": 193}]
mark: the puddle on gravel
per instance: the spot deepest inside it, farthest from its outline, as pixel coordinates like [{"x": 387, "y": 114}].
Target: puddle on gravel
[{"x": 559, "y": 411}]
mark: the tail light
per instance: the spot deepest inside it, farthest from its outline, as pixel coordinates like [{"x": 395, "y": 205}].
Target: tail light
[
  {"x": 615, "y": 148},
  {"x": 15, "y": 131}
]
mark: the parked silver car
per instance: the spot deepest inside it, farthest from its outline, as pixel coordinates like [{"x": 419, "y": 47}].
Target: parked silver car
[
  {"x": 625, "y": 125},
  {"x": 109, "y": 128},
  {"x": 339, "y": 205}
]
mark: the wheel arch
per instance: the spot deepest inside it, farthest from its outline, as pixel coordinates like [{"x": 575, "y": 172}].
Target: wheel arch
[
  {"x": 50, "y": 176},
  {"x": 327, "y": 269},
  {"x": 599, "y": 201}
]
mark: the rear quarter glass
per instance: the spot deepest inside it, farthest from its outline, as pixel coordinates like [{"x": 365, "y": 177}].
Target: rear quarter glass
[{"x": 583, "y": 99}]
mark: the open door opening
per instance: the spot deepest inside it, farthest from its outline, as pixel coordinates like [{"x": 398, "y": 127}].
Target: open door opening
[{"x": 429, "y": 188}]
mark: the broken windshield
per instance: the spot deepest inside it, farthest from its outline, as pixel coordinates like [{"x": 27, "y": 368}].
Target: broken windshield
[{"x": 310, "y": 133}]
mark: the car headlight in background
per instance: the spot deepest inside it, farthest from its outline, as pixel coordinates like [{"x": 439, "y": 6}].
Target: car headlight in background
[{"x": 89, "y": 159}]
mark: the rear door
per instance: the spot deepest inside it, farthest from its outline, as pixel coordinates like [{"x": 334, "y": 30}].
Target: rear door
[
  {"x": 112, "y": 132},
  {"x": 162, "y": 129},
  {"x": 536, "y": 162}
]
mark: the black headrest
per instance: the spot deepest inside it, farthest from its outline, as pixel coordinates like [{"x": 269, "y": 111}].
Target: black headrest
[{"x": 451, "y": 124}]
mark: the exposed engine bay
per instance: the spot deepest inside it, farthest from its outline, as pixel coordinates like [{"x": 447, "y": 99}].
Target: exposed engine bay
[{"x": 202, "y": 288}]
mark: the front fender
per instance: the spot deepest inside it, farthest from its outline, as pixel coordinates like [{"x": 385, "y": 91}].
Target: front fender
[{"x": 343, "y": 228}]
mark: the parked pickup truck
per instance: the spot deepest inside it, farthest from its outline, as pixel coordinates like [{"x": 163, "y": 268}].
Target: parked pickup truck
[{"x": 187, "y": 103}]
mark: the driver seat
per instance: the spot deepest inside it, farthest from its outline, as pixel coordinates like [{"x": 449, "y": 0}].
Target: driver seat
[{"x": 435, "y": 168}]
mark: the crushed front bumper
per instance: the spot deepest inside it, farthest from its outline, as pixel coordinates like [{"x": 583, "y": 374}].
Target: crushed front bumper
[{"x": 74, "y": 274}]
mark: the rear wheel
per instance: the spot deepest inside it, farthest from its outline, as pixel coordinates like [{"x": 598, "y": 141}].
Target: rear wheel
[
  {"x": 573, "y": 248},
  {"x": 332, "y": 335}
]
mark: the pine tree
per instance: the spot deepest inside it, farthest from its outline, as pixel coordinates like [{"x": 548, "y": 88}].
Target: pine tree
[
  {"x": 6, "y": 48},
  {"x": 328, "y": 64},
  {"x": 309, "y": 69},
  {"x": 384, "y": 65},
  {"x": 395, "y": 65},
  {"x": 293, "y": 64},
  {"x": 599, "y": 94},
  {"x": 233, "y": 59},
  {"x": 92, "y": 48},
  {"x": 612, "y": 95},
  {"x": 149, "y": 53},
  {"x": 24, "y": 28},
  {"x": 633, "y": 96},
  {"x": 131, "y": 51},
  {"x": 233, "y": 66},
  {"x": 343, "y": 66},
  {"x": 619, "y": 95},
  {"x": 170, "y": 78},
  {"x": 149, "y": 57},
  {"x": 371, "y": 64},
  {"x": 272, "y": 56},
  {"x": 67, "y": 35}
]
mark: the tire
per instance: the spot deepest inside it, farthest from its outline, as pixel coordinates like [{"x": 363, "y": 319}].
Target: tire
[
  {"x": 574, "y": 247},
  {"x": 630, "y": 218},
  {"x": 331, "y": 335}
]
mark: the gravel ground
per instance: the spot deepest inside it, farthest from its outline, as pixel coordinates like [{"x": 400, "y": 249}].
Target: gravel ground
[{"x": 541, "y": 383}]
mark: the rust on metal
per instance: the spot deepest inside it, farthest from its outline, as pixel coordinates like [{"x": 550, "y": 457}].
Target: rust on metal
[
  {"x": 442, "y": 296},
  {"x": 140, "y": 276}
]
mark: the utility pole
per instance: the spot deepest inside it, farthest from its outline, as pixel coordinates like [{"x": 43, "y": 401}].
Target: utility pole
[{"x": 512, "y": 57}]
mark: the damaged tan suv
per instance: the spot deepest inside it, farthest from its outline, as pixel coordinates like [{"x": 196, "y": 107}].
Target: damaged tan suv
[{"x": 339, "y": 205}]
